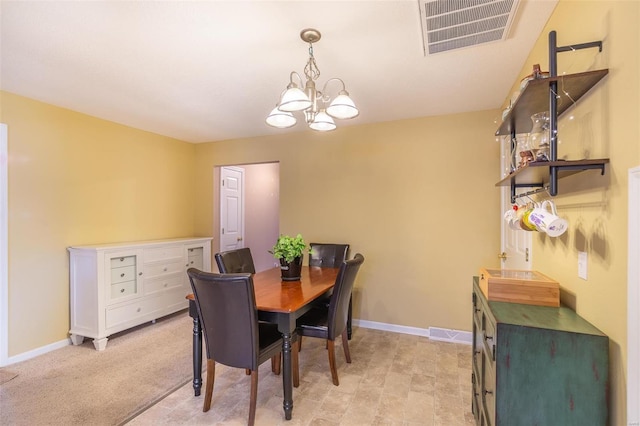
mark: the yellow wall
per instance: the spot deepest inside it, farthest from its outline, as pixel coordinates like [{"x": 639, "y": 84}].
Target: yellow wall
[
  {"x": 75, "y": 179},
  {"x": 601, "y": 125},
  {"x": 415, "y": 197}
]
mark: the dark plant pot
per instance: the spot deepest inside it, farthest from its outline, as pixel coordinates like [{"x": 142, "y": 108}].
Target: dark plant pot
[{"x": 290, "y": 271}]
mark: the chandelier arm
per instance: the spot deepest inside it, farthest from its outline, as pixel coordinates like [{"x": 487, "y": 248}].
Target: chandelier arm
[
  {"x": 324, "y": 88},
  {"x": 299, "y": 78}
]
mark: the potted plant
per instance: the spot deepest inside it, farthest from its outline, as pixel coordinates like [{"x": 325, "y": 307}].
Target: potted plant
[{"x": 289, "y": 250}]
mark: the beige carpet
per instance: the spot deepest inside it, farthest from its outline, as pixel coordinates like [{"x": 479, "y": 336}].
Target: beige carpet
[{"x": 77, "y": 385}]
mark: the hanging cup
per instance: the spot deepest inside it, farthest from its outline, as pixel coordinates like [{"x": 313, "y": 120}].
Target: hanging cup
[
  {"x": 512, "y": 219},
  {"x": 546, "y": 219}
]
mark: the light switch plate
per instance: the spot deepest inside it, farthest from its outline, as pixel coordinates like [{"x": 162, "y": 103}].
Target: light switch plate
[{"x": 582, "y": 265}]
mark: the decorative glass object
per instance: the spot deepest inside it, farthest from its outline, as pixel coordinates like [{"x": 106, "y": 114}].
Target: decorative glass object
[
  {"x": 524, "y": 154},
  {"x": 539, "y": 136}
]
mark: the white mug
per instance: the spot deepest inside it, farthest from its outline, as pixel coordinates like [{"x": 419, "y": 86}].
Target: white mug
[
  {"x": 547, "y": 220},
  {"x": 512, "y": 218}
]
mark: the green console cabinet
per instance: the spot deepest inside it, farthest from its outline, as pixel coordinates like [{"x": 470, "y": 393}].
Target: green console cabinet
[{"x": 537, "y": 366}]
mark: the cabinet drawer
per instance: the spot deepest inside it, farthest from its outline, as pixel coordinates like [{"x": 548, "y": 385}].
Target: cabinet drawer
[
  {"x": 126, "y": 273},
  {"x": 149, "y": 307},
  {"x": 195, "y": 262},
  {"x": 122, "y": 314},
  {"x": 163, "y": 253},
  {"x": 163, "y": 268},
  {"x": 489, "y": 335},
  {"x": 163, "y": 284},
  {"x": 118, "y": 262},
  {"x": 126, "y": 288},
  {"x": 488, "y": 388}
]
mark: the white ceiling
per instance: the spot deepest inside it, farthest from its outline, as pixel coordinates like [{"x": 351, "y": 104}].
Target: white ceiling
[{"x": 205, "y": 71}]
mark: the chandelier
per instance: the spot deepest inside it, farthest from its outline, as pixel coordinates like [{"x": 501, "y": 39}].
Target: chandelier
[{"x": 312, "y": 102}]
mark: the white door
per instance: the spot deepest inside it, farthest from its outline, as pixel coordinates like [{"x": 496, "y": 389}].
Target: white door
[
  {"x": 231, "y": 208},
  {"x": 516, "y": 245}
]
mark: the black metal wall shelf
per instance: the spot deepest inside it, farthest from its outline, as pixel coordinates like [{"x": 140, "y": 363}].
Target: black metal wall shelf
[
  {"x": 535, "y": 98},
  {"x": 554, "y": 94},
  {"x": 537, "y": 174}
]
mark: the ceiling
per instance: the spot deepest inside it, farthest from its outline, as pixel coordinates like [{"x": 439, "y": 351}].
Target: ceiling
[{"x": 203, "y": 71}]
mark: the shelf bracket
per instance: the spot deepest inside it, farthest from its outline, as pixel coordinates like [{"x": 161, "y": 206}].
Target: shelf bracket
[
  {"x": 532, "y": 192},
  {"x": 515, "y": 196}
]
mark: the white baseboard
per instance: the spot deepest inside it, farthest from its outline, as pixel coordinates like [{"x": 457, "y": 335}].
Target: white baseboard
[
  {"x": 433, "y": 333},
  {"x": 36, "y": 352}
]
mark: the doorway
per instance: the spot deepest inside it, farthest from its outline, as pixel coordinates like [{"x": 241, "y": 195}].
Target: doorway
[
  {"x": 516, "y": 245},
  {"x": 261, "y": 193}
]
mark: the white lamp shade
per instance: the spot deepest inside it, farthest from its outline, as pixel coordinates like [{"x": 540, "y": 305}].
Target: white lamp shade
[
  {"x": 280, "y": 119},
  {"x": 322, "y": 122},
  {"x": 294, "y": 99},
  {"x": 342, "y": 107}
]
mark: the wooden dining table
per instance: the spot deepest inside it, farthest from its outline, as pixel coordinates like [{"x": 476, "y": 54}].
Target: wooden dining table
[{"x": 279, "y": 302}]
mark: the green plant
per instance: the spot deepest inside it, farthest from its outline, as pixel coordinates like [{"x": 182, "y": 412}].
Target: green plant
[{"x": 288, "y": 248}]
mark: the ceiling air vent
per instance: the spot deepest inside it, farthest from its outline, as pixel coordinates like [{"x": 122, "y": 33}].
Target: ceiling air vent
[{"x": 453, "y": 24}]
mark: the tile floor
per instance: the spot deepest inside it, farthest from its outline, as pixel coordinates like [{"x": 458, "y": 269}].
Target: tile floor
[{"x": 394, "y": 379}]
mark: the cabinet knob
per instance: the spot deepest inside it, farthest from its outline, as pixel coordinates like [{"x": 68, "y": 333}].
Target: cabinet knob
[
  {"x": 122, "y": 259},
  {"x": 140, "y": 273},
  {"x": 122, "y": 290},
  {"x": 487, "y": 337},
  {"x": 502, "y": 256},
  {"x": 164, "y": 269},
  {"x": 121, "y": 275},
  {"x": 138, "y": 310}
]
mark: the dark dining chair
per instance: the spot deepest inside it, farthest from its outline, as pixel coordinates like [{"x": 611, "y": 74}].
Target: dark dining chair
[
  {"x": 328, "y": 255},
  {"x": 235, "y": 261},
  {"x": 240, "y": 261},
  {"x": 331, "y": 323},
  {"x": 226, "y": 306}
]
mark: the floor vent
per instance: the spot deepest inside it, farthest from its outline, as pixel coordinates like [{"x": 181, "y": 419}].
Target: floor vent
[
  {"x": 454, "y": 24},
  {"x": 449, "y": 335}
]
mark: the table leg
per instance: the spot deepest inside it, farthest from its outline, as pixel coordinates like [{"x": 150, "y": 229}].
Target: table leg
[
  {"x": 287, "y": 377},
  {"x": 197, "y": 348}
]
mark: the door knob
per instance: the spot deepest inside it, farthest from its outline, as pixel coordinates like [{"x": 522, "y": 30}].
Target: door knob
[
  {"x": 502, "y": 256},
  {"x": 239, "y": 238}
]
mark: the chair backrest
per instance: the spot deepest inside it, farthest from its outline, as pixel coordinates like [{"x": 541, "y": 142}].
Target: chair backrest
[
  {"x": 339, "y": 305},
  {"x": 226, "y": 306},
  {"x": 327, "y": 255},
  {"x": 235, "y": 261}
]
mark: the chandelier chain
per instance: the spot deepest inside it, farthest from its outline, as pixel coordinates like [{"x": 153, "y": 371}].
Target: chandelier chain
[{"x": 311, "y": 70}]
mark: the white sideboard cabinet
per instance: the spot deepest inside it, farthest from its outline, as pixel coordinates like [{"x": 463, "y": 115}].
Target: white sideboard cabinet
[{"x": 118, "y": 286}]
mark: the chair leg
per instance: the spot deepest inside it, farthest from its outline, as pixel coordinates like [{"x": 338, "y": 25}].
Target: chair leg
[
  {"x": 254, "y": 397},
  {"x": 276, "y": 361},
  {"x": 208, "y": 393},
  {"x": 295, "y": 366},
  {"x": 332, "y": 361},
  {"x": 299, "y": 343},
  {"x": 345, "y": 345},
  {"x": 349, "y": 318}
]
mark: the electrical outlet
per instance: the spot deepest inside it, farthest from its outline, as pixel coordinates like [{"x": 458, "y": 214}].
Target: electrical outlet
[{"x": 582, "y": 265}]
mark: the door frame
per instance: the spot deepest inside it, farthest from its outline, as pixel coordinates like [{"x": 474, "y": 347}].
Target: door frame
[
  {"x": 633, "y": 300},
  {"x": 241, "y": 170},
  {"x": 4, "y": 246},
  {"x": 518, "y": 260}
]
